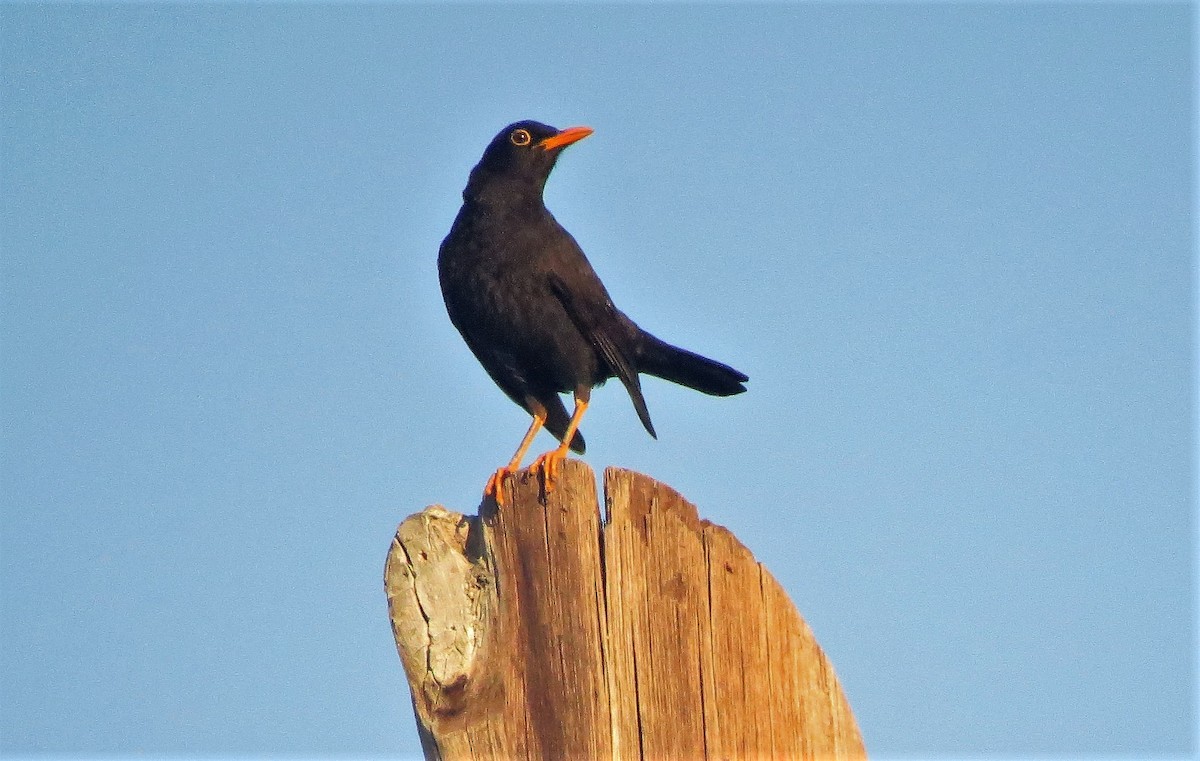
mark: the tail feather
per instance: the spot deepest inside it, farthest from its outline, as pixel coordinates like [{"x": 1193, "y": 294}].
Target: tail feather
[{"x": 662, "y": 360}]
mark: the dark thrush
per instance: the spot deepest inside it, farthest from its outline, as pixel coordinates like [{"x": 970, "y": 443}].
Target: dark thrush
[{"x": 529, "y": 305}]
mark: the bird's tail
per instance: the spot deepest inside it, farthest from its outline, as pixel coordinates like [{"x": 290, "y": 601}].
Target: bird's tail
[{"x": 662, "y": 360}]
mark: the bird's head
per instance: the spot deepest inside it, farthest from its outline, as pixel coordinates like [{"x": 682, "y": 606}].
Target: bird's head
[{"x": 522, "y": 155}]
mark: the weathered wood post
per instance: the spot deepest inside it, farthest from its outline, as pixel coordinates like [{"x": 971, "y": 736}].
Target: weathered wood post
[{"x": 539, "y": 631}]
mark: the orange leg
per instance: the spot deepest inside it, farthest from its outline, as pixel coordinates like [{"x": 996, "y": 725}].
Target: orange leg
[
  {"x": 550, "y": 462},
  {"x": 495, "y": 484}
]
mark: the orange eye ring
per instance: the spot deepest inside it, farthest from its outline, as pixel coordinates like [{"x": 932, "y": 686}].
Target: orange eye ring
[{"x": 520, "y": 137}]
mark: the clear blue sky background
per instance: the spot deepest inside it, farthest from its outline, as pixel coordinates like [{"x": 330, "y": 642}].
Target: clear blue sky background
[{"x": 950, "y": 244}]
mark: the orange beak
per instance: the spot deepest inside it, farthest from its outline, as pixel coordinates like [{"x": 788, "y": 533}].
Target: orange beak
[{"x": 566, "y": 137}]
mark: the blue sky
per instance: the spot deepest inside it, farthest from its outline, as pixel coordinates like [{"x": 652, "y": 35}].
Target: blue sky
[{"x": 952, "y": 246}]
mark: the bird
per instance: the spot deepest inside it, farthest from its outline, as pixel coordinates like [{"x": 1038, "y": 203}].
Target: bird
[{"x": 533, "y": 311}]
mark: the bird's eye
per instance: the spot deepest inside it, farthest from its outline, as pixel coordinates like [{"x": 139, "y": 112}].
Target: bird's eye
[{"x": 520, "y": 137}]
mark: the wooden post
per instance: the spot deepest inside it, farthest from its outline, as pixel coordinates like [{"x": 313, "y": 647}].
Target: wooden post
[{"x": 536, "y": 631}]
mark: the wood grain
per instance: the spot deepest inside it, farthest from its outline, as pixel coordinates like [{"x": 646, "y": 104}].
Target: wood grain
[{"x": 539, "y": 631}]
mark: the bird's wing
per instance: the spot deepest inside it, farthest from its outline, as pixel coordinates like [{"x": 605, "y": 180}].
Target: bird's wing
[{"x": 601, "y": 324}]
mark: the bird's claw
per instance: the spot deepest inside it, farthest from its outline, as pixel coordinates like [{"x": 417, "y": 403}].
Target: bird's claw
[
  {"x": 494, "y": 487},
  {"x": 549, "y": 465}
]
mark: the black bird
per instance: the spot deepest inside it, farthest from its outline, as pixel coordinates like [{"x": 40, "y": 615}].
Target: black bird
[{"x": 531, "y": 308}]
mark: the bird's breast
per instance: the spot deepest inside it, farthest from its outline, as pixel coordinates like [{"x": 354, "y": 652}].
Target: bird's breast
[{"x": 495, "y": 268}]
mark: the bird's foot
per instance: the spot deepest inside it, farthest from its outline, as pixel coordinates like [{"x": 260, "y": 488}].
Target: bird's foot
[
  {"x": 494, "y": 487},
  {"x": 549, "y": 465}
]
